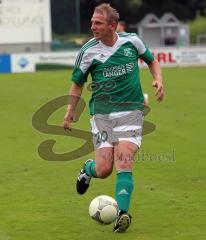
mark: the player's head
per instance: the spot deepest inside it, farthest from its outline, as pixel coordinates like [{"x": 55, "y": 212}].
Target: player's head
[{"x": 104, "y": 21}]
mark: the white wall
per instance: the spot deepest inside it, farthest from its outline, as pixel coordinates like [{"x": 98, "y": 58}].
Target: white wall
[{"x": 25, "y": 21}]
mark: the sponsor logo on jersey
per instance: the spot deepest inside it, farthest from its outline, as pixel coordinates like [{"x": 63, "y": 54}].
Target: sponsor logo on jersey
[
  {"x": 118, "y": 70},
  {"x": 129, "y": 67}
]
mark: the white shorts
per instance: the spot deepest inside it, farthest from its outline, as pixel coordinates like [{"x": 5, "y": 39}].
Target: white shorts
[{"x": 108, "y": 129}]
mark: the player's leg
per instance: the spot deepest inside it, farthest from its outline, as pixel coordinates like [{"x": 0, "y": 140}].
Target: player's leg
[
  {"x": 104, "y": 161},
  {"x": 102, "y": 166},
  {"x": 124, "y": 153},
  {"x": 127, "y": 131}
]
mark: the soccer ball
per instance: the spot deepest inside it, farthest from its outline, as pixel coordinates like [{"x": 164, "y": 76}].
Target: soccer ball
[{"x": 103, "y": 209}]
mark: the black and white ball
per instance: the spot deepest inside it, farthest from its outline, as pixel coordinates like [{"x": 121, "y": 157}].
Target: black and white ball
[{"x": 103, "y": 209}]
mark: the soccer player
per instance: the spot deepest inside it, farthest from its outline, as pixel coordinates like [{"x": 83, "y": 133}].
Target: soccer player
[{"x": 116, "y": 104}]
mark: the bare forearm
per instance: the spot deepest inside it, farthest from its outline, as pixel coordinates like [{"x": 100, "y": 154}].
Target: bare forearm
[
  {"x": 155, "y": 70},
  {"x": 157, "y": 79},
  {"x": 74, "y": 95}
]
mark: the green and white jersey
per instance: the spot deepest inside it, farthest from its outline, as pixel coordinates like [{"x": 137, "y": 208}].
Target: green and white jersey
[{"x": 115, "y": 73}]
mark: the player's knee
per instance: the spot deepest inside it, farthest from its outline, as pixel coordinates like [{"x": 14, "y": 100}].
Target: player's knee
[
  {"x": 104, "y": 171},
  {"x": 124, "y": 161}
]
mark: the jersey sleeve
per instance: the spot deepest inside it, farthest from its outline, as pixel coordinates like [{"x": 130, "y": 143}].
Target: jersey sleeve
[
  {"x": 147, "y": 56},
  {"x": 143, "y": 51},
  {"x": 81, "y": 68}
]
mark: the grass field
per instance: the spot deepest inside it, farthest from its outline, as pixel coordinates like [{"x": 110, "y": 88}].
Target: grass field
[{"x": 38, "y": 198}]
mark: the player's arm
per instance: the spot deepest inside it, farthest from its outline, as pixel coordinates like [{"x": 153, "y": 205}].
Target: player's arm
[
  {"x": 74, "y": 95},
  {"x": 156, "y": 72},
  {"x": 145, "y": 54},
  {"x": 79, "y": 77}
]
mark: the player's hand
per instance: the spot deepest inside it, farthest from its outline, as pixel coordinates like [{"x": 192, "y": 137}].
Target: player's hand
[
  {"x": 159, "y": 93},
  {"x": 68, "y": 118}
]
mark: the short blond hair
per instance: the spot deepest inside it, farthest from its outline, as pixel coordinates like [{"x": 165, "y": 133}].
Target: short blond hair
[{"x": 111, "y": 13}]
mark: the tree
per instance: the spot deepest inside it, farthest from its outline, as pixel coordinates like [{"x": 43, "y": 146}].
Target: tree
[
  {"x": 131, "y": 11},
  {"x": 63, "y": 16}
]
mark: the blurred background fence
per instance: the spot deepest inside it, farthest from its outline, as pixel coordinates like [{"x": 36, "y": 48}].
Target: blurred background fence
[{"x": 50, "y": 26}]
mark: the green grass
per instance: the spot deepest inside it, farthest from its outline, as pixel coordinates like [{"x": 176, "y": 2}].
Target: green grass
[{"x": 38, "y": 198}]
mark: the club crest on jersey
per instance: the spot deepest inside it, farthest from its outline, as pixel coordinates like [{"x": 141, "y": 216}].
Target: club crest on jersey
[{"x": 128, "y": 52}]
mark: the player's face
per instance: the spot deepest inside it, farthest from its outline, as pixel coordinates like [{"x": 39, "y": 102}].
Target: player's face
[{"x": 101, "y": 29}]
